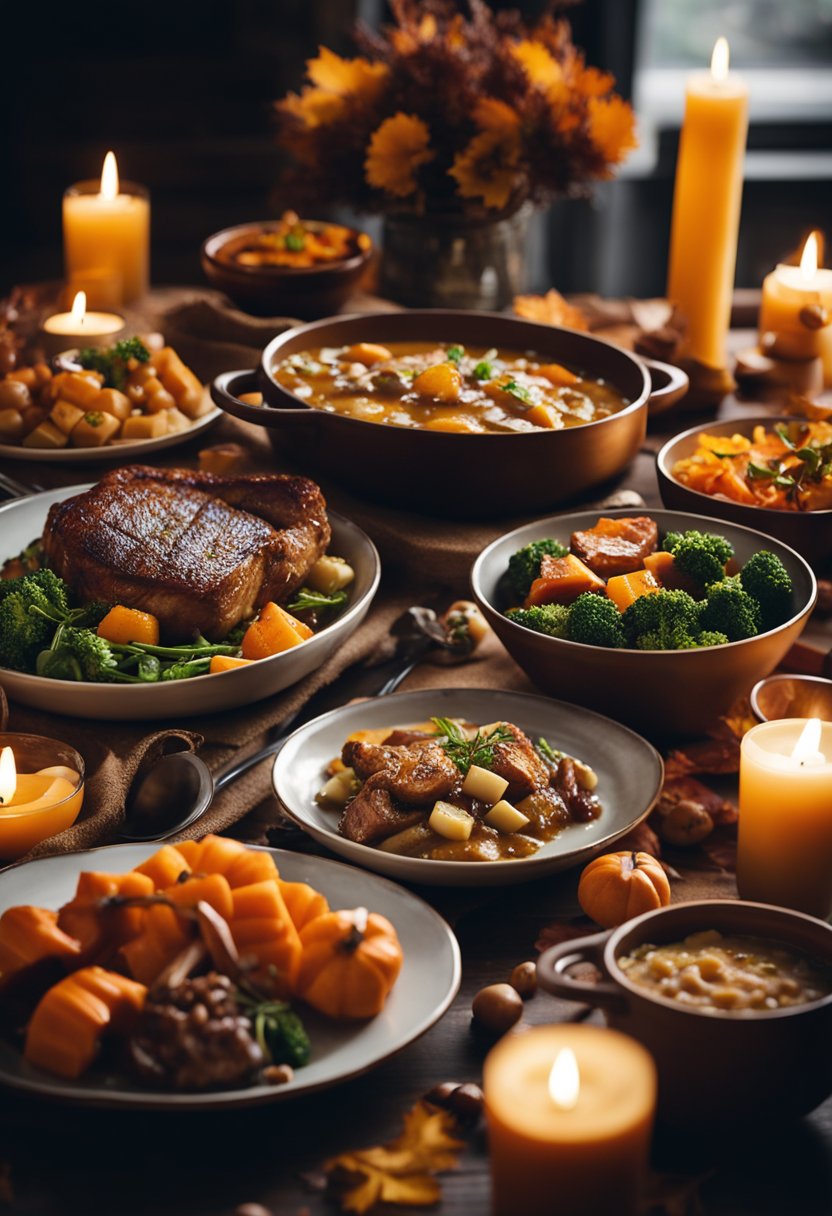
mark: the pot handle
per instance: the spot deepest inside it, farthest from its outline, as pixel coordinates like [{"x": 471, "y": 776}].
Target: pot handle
[
  {"x": 669, "y": 385},
  {"x": 553, "y": 966},
  {"x": 227, "y": 387}
]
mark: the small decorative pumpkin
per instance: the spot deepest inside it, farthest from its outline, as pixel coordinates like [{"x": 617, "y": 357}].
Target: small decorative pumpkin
[
  {"x": 303, "y": 902},
  {"x": 165, "y": 867},
  {"x": 98, "y": 927},
  {"x": 618, "y": 886},
  {"x": 351, "y": 960},
  {"x": 263, "y": 930},
  {"x": 28, "y": 936}
]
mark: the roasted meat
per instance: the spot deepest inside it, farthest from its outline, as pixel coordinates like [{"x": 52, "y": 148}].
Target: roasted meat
[
  {"x": 418, "y": 773},
  {"x": 517, "y": 762},
  {"x": 200, "y": 552},
  {"x": 373, "y": 815},
  {"x": 616, "y": 546}
]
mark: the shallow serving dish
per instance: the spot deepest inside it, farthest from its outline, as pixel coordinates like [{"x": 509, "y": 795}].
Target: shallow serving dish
[
  {"x": 663, "y": 692},
  {"x": 714, "y": 1068},
  {"x": 810, "y": 532},
  {"x": 427, "y": 984},
  {"x": 440, "y": 473},
  {"x": 23, "y": 519},
  {"x": 792, "y": 696},
  {"x": 630, "y": 774},
  {"x": 295, "y": 291}
]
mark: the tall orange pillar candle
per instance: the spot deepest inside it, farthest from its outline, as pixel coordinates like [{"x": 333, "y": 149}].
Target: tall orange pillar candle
[
  {"x": 706, "y": 207},
  {"x": 784, "y": 844},
  {"x": 570, "y": 1112},
  {"x": 107, "y": 239}
]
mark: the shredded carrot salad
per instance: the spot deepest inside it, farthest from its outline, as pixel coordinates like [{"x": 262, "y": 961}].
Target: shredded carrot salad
[{"x": 788, "y": 468}]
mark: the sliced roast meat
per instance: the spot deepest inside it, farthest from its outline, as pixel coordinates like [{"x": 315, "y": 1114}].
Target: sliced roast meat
[
  {"x": 616, "y": 546},
  {"x": 373, "y": 815},
  {"x": 517, "y": 762},
  {"x": 418, "y": 773}
]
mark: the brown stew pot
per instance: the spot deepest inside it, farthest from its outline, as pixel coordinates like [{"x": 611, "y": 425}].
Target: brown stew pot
[
  {"x": 715, "y": 1069},
  {"x": 441, "y": 473}
]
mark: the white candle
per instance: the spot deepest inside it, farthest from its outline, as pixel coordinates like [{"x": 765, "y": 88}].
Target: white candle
[
  {"x": 79, "y": 327},
  {"x": 107, "y": 238}
]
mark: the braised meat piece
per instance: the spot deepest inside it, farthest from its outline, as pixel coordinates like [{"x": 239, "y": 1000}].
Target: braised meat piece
[
  {"x": 517, "y": 761},
  {"x": 200, "y": 552},
  {"x": 581, "y": 804},
  {"x": 616, "y": 546},
  {"x": 546, "y": 809},
  {"x": 418, "y": 773},
  {"x": 373, "y": 815}
]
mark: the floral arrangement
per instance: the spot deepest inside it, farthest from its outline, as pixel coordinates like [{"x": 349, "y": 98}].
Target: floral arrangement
[{"x": 452, "y": 111}]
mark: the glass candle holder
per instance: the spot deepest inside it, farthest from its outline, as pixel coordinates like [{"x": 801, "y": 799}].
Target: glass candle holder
[
  {"x": 107, "y": 242},
  {"x": 42, "y": 792}
]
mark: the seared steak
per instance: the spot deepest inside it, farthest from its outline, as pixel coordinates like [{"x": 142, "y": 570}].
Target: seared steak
[
  {"x": 373, "y": 815},
  {"x": 198, "y": 551}
]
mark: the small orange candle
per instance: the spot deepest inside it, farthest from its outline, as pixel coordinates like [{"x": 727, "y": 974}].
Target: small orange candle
[
  {"x": 706, "y": 207},
  {"x": 570, "y": 1112},
  {"x": 107, "y": 238},
  {"x": 38, "y": 804},
  {"x": 796, "y": 310}
]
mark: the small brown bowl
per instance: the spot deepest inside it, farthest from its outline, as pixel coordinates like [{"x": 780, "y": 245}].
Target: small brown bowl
[
  {"x": 307, "y": 292},
  {"x": 714, "y": 1068},
  {"x": 792, "y": 696},
  {"x": 810, "y": 532},
  {"x": 482, "y": 476},
  {"x": 661, "y": 693}
]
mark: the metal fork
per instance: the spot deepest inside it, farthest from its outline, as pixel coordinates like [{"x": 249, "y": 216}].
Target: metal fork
[{"x": 18, "y": 489}]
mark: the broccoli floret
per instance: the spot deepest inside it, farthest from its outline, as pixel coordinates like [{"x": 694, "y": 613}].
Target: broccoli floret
[
  {"x": 729, "y": 609},
  {"x": 31, "y": 608},
  {"x": 112, "y": 361},
  {"x": 551, "y": 619},
  {"x": 78, "y": 654},
  {"x": 766, "y": 579},
  {"x": 661, "y": 614},
  {"x": 700, "y": 555},
  {"x": 595, "y": 621},
  {"x": 524, "y": 565}
]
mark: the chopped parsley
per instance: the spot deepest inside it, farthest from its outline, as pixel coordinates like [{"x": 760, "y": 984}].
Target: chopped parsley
[
  {"x": 455, "y": 354},
  {"x": 484, "y": 370},
  {"x": 519, "y": 391}
]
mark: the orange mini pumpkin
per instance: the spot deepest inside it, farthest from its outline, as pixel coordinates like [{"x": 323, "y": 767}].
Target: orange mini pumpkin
[
  {"x": 351, "y": 960},
  {"x": 303, "y": 902},
  {"x": 29, "y": 935},
  {"x": 165, "y": 867},
  {"x": 99, "y": 927},
  {"x": 263, "y": 931},
  {"x": 617, "y": 886}
]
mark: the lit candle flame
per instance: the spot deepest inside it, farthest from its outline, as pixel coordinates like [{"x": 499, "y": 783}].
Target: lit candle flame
[
  {"x": 565, "y": 1080},
  {"x": 109, "y": 177},
  {"x": 8, "y": 776},
  {"x": 809, "y": 257},
  {"x": 720, "y": 59},
  {"x": 79, "y": 308},
  {"x": 808, "y": 745}
]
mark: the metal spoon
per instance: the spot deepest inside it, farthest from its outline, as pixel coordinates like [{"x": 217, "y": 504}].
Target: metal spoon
[{"x": 179, "y": 788}]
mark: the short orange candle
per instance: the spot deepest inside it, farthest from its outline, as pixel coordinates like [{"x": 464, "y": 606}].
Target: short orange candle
[
  {"x": 789, "y": 294},
  {"x": 570, "y": 1112},
  {"x": 706, "y": 207},
  {"x": 38, "y": 804}
]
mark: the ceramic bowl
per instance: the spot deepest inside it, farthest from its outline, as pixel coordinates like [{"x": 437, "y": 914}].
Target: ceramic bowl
[
  {"x": 792, "y": 696},
  {"x": 23, "y": 519},
  {"x": 809, "y": 532},
  {"x": 294, "y": 291},
  {"x": 714, "y": 1068},
  {"x": 439, "y": 473},
  {"x": 664, "y": 693}
]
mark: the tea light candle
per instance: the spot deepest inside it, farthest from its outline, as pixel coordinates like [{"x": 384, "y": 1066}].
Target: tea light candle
[
  {"x": 784, "y": 848},
  {"x": 38, "y": 804},
  {"x": 82, "y": 327},
  {"x": 570, "y": 1111},
  {"x": 706, "y": 207},
  {"x": 107, "y": 238},
  {"x": 796, "y": 310}
]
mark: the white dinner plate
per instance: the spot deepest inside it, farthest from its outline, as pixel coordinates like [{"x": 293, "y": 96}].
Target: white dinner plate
[
  {"x": 630, "y": 774},
  {"x": 125, "y": 451},
  {"x": 426, "y": 986},
  {"x": 22, "y": 521}
]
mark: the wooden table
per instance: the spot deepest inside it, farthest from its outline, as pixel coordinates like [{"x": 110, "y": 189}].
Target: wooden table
[{"x": 68, "y": 1162}]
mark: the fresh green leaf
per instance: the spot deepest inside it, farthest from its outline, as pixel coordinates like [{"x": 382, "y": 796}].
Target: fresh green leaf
[
  {"x": 483, "y": 370},
  {"x": 759, "y": 472},
  {"x": 455, "y": 354},
  {"x": 278, "y": 1030},
  {"x": 465, "y": 752},
  {"x": 548, "y": 752},
  {"x": 295, "y": 241},
  {"x": 519, "y": 391}
]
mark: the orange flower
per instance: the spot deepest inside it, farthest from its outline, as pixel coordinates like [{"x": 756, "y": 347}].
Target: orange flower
[
  {"x": 544, "y": 71},
  {"x": 591, "y": 82},
  {"x": 487, "y": 168},
  {"x": 313, "y": 106},
  {"x": 347, "y": 77},
  {"x": 612, "y": 127},
  {"x": 398, "y": 148},
  {"x": 494, "y": 115}
]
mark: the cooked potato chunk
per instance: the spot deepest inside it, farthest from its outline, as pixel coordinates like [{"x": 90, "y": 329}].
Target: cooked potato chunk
[
  {"x": 65, "y": 415},
  {"x": 111, "y": 401},
  {"x": 177, "y": 422},
  {"x": 179, "y": 381},
  {"x": 505, "y": 817},
  {"x": 330, "y": 574},
  {"x": 145, "y": 426},
  {"x": 443, "y": 382},
  {"x": 94, "y": 430},
  {"x": 80, "y": 388},
  {"x": 483, "y": 784},
  {"x": 368, "y": 353},
  {"x": 339, "y": 788},
  {"x": 46, "y": 435},
  {"x": 450, "y": 821},
  {"x": 11, "y": 426}
]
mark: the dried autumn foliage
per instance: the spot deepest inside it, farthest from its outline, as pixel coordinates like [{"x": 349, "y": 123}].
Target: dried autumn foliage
[
  {"x": 551, "y": 309},
  {"x": 401, "y": 1172},
  {"x": 452, "y": 108}
]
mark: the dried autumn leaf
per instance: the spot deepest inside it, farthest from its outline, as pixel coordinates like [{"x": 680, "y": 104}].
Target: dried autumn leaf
[
  {"x": 642, "y": 839},
  {"x": 399, "y": 1172},
  {"x": 551, "y": 309},
  {"x": 564, "y": 930},
  {"x": 715, "y": 756}
]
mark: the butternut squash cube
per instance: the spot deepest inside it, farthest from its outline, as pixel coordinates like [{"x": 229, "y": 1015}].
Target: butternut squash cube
[
  {"x": 225, "y": 662},
  {"x": 274, "y": 631},
  {"x": 185, "y": 388},
  {"x": 94, "y": 430},
  {"x": 125, "y": 625},
  {"x": 624, "y": 589},
  {"x": 145, "y": 426},
  {"x": 556, "y": 373},
  {"x": 562, "y": 580},
  {"x": 65, "y": 415},
  {"x": 443, "y": 382},
  {"x": 111, "y": 401},
  {"x": 81, "y": 388},
  {"x": 46, "y": 435},
  {"x": 177, "y": 421},
  {"x": 368, "y": 353},
  {"x": 546, "y": 416},
  {"x": 667, "y": 574}
]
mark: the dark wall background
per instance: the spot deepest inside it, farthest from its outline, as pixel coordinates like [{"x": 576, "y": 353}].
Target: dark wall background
[{"x": 181, "y": 89}]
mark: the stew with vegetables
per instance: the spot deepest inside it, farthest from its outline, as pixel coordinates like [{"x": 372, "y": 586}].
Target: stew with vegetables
[{"x": 446, "y": 387}]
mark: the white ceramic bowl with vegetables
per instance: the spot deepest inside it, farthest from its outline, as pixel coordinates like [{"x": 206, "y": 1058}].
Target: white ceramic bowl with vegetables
[{"x": 137, "y": 700}]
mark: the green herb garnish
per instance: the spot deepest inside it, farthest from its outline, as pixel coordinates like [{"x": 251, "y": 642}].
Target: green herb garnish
[
  {"x": 519, "y": 391},
  {"x": 295, "y": 241},
  {"x": 484, "y": 370},
  {"x": 455, "y": 354},
  {"x": 278, "y": 1030},
  {"x": 465, "y": 752},
  {"x": 111, "y": 361},
  {"x": 548, "y": 752},
  {"x": 306, "y": 598}
]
